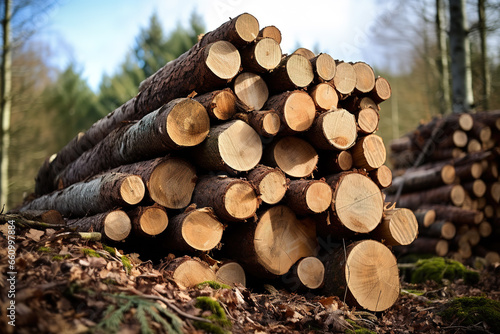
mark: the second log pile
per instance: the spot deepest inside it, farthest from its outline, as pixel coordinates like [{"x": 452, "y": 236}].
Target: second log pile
[
  {"x": 455, "y": 192},
  {"x": 274, "y": 165}
]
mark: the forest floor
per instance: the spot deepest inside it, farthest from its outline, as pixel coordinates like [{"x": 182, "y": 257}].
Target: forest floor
[{"x": 63, "y": 284}]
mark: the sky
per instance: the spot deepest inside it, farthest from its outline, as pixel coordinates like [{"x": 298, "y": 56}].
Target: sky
[{"x": 97, "y": 34}]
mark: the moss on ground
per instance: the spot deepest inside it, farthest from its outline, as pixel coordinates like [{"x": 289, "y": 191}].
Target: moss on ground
[
  {"x": 220, "y": 323},
  {"x": 470, "y": 311},
  {"x": 90, "y": 252},
  {"x": 126, "y": 264},
  {"x": 357, "y": 329},
  {"x": 213, "y": 284},
  {"x": 438, "y": 268},
  {"x": 110, "y": 250},
  {"x": 43, "y": 249}
]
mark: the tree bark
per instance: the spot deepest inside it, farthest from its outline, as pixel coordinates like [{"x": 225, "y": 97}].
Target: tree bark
[
  {"x": 296, "y": 109},
  {"x": 194, "y": 230},
  {"x": 398, "y": 227},
  {"x": 272, "y": 244},
  {"x": 187, "y": 272},
  {"x": 366, "y": 273},
  {"x": 425, "y": 245},
  {"x": 202, "y": 70},
  {"x": 442, "y": 38},
  {"x": 440, "y": 229},
  {"x": 148, "y": 221},
  {"x": 261, "y": 56},
  {"x": 91, "y": 197},
  {"x": 423, "y": 178},
  {"x": 180, "y": 123},
  {"x": 232, "y": 147},
  {"x": 270, "y": 183},
  {"x": 455, "y": 215},
  {"x": 333, "y": 130},
  {"x": 231, "y": 199},
  {"x": 294, "y": 156},
  {"x": 308, "y": 196},
  {"x": 335, "y": 162},
  {"x": 251, "y": 89},
  {"x": 115, "y": 225}
]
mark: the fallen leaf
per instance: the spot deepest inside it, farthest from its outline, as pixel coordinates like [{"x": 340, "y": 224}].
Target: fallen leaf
[{"x": 34, "y": 235}]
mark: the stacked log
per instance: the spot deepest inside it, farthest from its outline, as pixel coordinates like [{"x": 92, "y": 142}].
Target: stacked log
[
  {"x": 262, "y": 166},
  {"x": 457, "y": 180}
]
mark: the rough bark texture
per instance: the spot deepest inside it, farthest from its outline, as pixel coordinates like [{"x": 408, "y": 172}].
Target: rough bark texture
[
  {"x": 366, "y": 273},
  {"x": 272, "y": 244},
  {"x": 232, "y": 147},
  {"x": 200, "y": 71},
  {"x": 398, "y": 227},
  {"x": 456, "y": 215},
  {"x": 232, "y": 199},
  {"x": 194, "y": 230},
  {"x": 270, "y": 183},
  {"x": 333, "y": 130},
  {"x": 425, "y": 245},
  {"x": 180, "y": 123},
  {"x": 115, "y": 225},
  {"x": 453, "y": 193},
  {"x": 95, "y": 196},
  {"x": 308, "y": 196},
  {"x": 423, "y": 178}
]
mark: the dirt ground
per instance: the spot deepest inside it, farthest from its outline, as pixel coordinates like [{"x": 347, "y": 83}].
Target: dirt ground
[{"x": 58, "y": 283}]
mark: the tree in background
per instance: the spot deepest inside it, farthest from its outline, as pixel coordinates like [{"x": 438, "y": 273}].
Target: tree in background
[{"x": 6, "y": 97}]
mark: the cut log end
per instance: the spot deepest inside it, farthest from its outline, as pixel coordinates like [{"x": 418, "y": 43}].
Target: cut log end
[
  {"x": 271, "y": 124},
  {"x": 382, "y": 176},
  {"x": 271, "y": 32},
  {"x": 365, "y": 78},
  {"x": 299, "y": 111},
  {"x": 223, "y": 59},
  {"x": 153, "y": 221},
  {"x": 188, "y": 272},
  {"x": 308, "y": 54},
  {"x": 325, "y": 66},
  {"x": 224, "y": 105},
  {"x": 251, "y": 89},
  {"x": 402, "y": 227},
  {"x": 344, "y": 160},
  {"x": 132, "y": 189},
  {"x": 188, "y": 123},
  {"x": 448, "y": 174},
  {"x": 311, "y": 272},
  {"x": 466, "y": 122},
  {"x": 240, "y": 200},
  {"x": 345, "y": 78},
  {"x": 295, "y": 157},
  {"x": 334, "y": 130},
  {"x": 247, "y": 27},
  {"x": 272, "y": 187},
  {"x": 172, "y": 183},
  {"x": 240, "y": 146},
  {"x": 325, "y": 96},
  {"x": 358, "y": 203},
  {"x": 201, "y": 231},
  {"x": 368, "y": 120},
  {"x": 231, "y": 273},
  {"x": 457, "y": 195},
  {"x": 369, "y": 152},
  {"x": 318, "y": 197},
  {"x": 299, "y": 70},
  {"x": 267, "y": 53},
  {"x": 382, "y": 90},
  {"x": 117, "y": 225},
  {"x": 372, "y": 275},
  {"x": 460, "y": 138}
]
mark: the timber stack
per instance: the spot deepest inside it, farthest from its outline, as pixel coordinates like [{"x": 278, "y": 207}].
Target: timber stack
[
  {"x": 269, "y": 161},
  {"x": 455, "y": 190}
]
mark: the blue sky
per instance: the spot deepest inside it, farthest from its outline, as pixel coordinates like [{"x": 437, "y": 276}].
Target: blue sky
[{"x": 97, "y": 34}]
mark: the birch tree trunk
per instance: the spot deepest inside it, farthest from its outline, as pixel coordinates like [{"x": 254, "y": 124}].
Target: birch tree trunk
[{"x": 6, "y": 86}]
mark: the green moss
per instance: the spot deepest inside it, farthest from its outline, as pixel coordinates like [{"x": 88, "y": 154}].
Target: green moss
[
  {"x": 357, "y": 329},
  {"x": 110, "y": 250},
  {"x": 43, "y": 249},
  {"x": 213, "y": 284},
  {"x": 438, "y": 268},
  {"x": 470, "y": 311},
  {"x": 220, "y": 324},
  {"x": 90, "y": 252},
  {"x": 414, "y": 292},
  {"x": 126, "y": 264},
  {"x": 60, "y": 257}
]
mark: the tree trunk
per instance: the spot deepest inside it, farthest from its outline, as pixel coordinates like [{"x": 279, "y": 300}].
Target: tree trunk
[
  {"x": 270, "y": 183},
  {"x": 251, "y": 89},
  {"x": 232, "y": 199},
  {"x": 442, "y": 37},
  {"x": 365, "y": 273},
  {"x": 261, "y": 56},
  {"x": 231, "y": 273},
  {"x": 193, "y": 230},
  {"x": 115, "y": 225},
  {"x": 463, "y": 99},
  {"x": 324, "y": 67},
  {"x": 425, "y": 245},
  {"x": 425, "y": 217},
  {"x": 365, "y": 78},
  {"x": 369, "y": 152},
  {"x": 296, "y": 109},
  {"x": 180, "y": 123},
  {"x": 94, "y": 196},
  {"x": 440, "y": 229},
  {"x": 325, "y": 97},
  {"x": 308, "y": 196},
  {"x": 294, "y": 71},
  {"x": 232, "y": 147},
  {"x": 270, "y": 32},
  {"x": 294, "y": 156},
  {"x": 398, "y": 227},
  {"x": 6, "y": 101},
  {"x": 422, "y": 178},
  {"x": 453, "y": 194},
  {"x": 266, "y": 123},
  {"x": 307, "y": 273},
  {"x": 357, "y": 205},
  {"x": 455, "y": 215},
  {"x": 170, "y": 181},
  {"x": 344, "y": 80},
  {"x": 187, "y": 272},
  {"x": 148, "y": 221},
  {"x": 220, "y": 104},
  {"x": 485, "y": 72},
  {"x": 476, "y": 188},
  {"x": 333, "y": 130},
  {"x": 203, "y": 70},
  {"x": 272, "y": 244}
]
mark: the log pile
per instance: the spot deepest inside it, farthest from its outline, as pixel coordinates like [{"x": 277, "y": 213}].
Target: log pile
[
  {"x": 455, "y": 190},
  {"x": 266, "y": 160}
]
